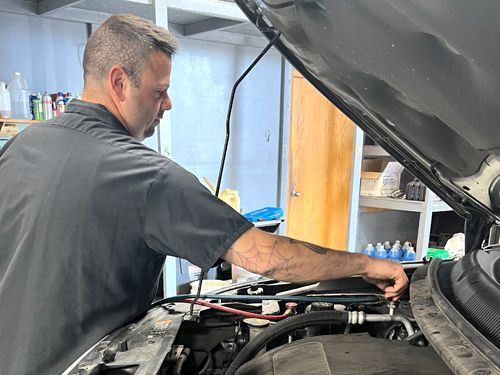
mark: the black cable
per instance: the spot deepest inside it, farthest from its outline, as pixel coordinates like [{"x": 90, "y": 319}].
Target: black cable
[
  {"x": 230, "y": 108},
  {"x": 198, "y": 292},
  {"x": 343, "y": 300},
  {"x": 226, "y": 142},
  {"x": 237, "y": 332},
  {"x": 208, "y": 361}
]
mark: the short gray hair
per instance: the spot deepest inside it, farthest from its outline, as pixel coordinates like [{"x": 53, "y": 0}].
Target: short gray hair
[{"x": 125, "y": 40}]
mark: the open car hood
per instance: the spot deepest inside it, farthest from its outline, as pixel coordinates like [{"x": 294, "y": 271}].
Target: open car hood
[{"x": 420, "y": 78}]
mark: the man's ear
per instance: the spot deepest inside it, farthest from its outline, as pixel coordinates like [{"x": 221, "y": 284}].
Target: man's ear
[{"x": 118, "y": 81}]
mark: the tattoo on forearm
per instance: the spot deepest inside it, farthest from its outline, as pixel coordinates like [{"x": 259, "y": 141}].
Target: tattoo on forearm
[
  {"x": 268, "y": 261},
  {"x": 317, "y": 249}
]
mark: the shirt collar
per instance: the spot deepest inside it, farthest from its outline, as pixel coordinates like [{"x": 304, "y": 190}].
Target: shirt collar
[{"x": 95, "y": 110}]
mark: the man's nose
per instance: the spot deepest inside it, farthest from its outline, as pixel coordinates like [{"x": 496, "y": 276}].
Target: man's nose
[{"x": 166, "y": 104}]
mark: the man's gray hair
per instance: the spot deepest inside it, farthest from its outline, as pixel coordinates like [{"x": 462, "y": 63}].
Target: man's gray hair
[{"x": 124, "y": 40}]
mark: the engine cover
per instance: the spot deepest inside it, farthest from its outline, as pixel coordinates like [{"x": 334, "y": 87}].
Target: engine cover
[{"x": 346, "y": 354}]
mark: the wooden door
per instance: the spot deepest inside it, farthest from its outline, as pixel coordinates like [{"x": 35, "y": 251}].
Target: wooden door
[{"x": 319, "y": 168}]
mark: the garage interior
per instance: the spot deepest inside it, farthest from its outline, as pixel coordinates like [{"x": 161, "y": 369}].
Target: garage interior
[{"x": 290, "y": 148}]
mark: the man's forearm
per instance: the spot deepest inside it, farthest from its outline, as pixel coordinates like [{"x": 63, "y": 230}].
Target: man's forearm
[{"x": 287, "y": 259}]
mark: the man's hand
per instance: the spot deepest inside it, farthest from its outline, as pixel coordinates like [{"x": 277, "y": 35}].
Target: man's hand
[{"x": 388, "y": 275}]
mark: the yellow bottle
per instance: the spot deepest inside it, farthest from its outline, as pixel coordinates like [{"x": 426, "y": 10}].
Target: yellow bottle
[{"x": 230, "y": 196}]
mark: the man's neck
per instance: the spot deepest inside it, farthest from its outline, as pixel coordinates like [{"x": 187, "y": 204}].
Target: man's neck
[{"x": 98, "y": 96}]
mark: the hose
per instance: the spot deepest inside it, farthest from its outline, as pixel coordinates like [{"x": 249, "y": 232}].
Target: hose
[
  {"x": 282, "y": 327},
  {"x": 371, "y": 318},
  {"x": 238, "y": 312},
  {"x": 180, "y": 362}
]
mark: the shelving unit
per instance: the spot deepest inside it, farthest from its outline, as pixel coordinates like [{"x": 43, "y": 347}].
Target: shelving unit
[
  {"x": 424, "y": 208},
  {"x": 402, "y": 204},
  {"x": 16, "y": 121},
  {"x": 375, "y": 152},
  {"x": 361, "y": 204},
  {"x": 7, "y": 131}
]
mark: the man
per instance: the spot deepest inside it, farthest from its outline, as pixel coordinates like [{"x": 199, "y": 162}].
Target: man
[{"x": 88, "y": 213}]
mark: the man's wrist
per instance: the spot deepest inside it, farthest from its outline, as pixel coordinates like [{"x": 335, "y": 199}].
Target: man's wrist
[{"x": 364, "y": 264}]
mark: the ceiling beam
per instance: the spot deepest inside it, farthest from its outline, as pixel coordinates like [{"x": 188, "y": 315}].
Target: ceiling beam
[
  {"x": 231, "y": 38},
  {"x": 46, "y": 7},
  {"x": 18, "y": 7},
  {"x": 210, "y": 8},
  {"x": 118, "y": 6},
  {"x": 176, "y": 29},
  {"x": 209, "y": 25}
]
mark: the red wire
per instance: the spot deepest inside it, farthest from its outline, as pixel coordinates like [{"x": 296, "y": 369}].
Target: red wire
[{"x": 236, "y": 311}]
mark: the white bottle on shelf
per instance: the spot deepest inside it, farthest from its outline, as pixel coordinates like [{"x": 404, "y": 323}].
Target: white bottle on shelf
[
  {"x": 5, "y": 111},
  {"x": 19, "y": 97}
]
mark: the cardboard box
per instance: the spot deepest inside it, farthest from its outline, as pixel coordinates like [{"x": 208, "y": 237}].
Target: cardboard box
[{"x": 379, "y": 178}]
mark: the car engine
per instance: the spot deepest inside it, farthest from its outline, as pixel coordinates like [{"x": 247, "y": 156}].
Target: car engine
[{"x": 341, "y": 326}]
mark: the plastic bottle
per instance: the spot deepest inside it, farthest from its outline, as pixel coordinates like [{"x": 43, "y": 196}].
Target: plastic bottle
[
  {"x": 410, "y": 254},
  {"x": 37, "y": 108},
  {"x": 47, "y": 106},
  {"x": 395, "y": 253},
  {"x": 397, "y": 243},
  {"x": 68, "y": 98},
  {"x": 19, "y": 97},
  {"x": 405, "y": 248},
  {"x": 369, "y": 250},
  {"x": 60, "y": 106},
  {"x": 380, "y": 251},
  {"x": 5, "y": 111},
  {"x": 387, "y": 246}
]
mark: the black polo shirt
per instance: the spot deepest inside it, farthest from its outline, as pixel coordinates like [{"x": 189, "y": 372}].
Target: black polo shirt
[{"x": 87, "y": 215}]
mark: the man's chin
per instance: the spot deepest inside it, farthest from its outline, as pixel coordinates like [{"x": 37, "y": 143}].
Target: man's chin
[{"x": 151, "y": 130}]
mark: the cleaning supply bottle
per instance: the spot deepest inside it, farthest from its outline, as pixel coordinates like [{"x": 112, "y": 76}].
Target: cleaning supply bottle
[
  {"x": 60, "y": 106},
  {"x": 5, "y": 111},
  {"x": 397, "y": 243},
  {"x": 380, "y": 251},
  {"x": 387, "y": 246},
  {"x": 395, "y": 253},
  {"x": 19, "y": 97},
  {"x": 405, "y": 248},
  {"x": 410, "y": 254},
  {"x": 47, "y": 106},
  {"x": 369, "y": 250}
]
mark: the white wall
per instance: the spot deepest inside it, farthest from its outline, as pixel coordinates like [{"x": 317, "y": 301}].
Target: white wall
[
  {"x": 202, "y": 77},
  {"x": 47, "y": 52}
]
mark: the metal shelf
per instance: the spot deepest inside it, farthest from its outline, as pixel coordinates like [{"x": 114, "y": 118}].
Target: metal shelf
[
  {"x": 375, "y": 152},
  {"x": 267, "y": 223},
  {"x": 401, "y": 204},
  {"x": 17, "y": 121}
]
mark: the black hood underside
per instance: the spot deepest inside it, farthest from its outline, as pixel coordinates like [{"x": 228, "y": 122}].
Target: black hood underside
[{"x": 422, "y": 78}]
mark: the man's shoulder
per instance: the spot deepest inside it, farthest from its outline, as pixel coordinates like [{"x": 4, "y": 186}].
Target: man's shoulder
[{"x": 99, "y": 135}]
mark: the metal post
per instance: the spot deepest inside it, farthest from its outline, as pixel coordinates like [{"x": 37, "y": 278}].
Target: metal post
[{"x": 164, "y": 146}]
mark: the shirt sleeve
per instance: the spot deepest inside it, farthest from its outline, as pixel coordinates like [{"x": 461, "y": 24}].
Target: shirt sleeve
[{"x": 186, "y": 220}]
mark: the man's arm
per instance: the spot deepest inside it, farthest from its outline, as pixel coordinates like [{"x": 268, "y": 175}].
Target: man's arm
[{"x": 286, "y": 259}]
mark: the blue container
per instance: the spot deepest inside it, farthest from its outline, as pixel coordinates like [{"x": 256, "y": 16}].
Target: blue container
[
  {"x": 394, "y": 254},
  {"x": 369, "y": 250},
  {"x": 264, "y": 214},
  {"x": 380, "y": 252}
]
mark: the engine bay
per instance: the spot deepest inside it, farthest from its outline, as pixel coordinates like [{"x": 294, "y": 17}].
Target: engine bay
[{"x": 268, "y": 327}]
